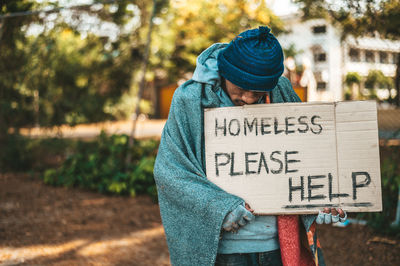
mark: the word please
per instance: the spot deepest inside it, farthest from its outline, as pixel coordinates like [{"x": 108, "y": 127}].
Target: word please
[
  {"x": 276, "y": 162},
  {"x": 268, "y": 125}
]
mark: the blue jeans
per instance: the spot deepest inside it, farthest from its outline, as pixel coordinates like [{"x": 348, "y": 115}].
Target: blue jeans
[{"x": 269, "y": 258}]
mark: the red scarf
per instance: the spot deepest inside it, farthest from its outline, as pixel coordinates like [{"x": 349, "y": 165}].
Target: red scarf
[{"x": 292, "y": 252}]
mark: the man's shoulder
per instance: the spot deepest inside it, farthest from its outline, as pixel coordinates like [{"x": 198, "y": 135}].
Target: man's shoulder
[
  {"x": 186, "y": 103},
  {"x": 284, "y": 82},
  {"x": 189, "y": 91},
  {"x": 284, "y": 92}
]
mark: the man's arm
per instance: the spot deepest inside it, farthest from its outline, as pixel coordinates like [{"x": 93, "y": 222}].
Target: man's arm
[{"x": 178, "y": 171}]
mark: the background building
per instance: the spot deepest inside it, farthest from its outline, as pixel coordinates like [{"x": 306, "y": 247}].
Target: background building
[{"x": 319, "y": 42}]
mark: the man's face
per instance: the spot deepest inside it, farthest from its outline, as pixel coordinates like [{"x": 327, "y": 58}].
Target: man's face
[{"x": 240, "y": 96}]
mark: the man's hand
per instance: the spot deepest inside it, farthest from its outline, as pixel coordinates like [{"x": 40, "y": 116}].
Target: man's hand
[
  {"x": 247, "y": 206},
  {"x": 331, "y": 215},
  {"x": 238, "y": 217}
]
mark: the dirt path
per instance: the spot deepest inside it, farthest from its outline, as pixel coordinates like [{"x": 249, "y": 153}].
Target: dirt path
[
  {"x": 42, "y": 225},
  {"x": 145, "y": 128}
]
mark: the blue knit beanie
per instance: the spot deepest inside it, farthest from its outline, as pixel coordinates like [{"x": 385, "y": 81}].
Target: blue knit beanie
[{"x": 253, "y": 60}]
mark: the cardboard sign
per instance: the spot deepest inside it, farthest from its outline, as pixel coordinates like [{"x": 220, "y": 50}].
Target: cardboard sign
[{"x": 296, "y": 157}]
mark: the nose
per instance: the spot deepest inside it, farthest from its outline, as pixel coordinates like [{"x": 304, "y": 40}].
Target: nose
[{"x": 249, "y": 97}]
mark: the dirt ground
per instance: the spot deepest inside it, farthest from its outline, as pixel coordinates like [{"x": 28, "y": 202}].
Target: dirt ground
[{"x": 43, "y": 225}]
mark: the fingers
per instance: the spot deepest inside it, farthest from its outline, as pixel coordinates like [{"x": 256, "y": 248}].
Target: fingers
[
  {"x": 344, "y": 218},
  {"x": 335, "y": 215},
  {"x": 320, "y": 218},
  {"x": 331, "y": 215},
  {"x": 328, "y": 218},
  {"x": 323, "y": 218},
  {"x": 249, "y": 216},
  {"x": 247, "y": 206},
  {"x": 235, "y": 227},
  {"x": 227, "y": 228},
  {"x": 231, "y": 227},
  {"x": 242, "y": 221},
  {"x": 228, "y": 222},
  {"x": 237, "y": 218},
  {"x": 247, "y": 213}
]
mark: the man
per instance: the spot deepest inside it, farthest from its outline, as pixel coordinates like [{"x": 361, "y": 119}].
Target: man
[{"x": 205, "y": 225}]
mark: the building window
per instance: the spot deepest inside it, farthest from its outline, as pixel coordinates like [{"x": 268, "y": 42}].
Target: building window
[
  {"x": 319, "y": 29},
  {"x": 319, "y": 53},
  {"x": 394, "y": 58},
  {"x": 369, "y": 57},
  {"x": 321, "y": 85},
  {"x": 354, "y": 55},
  {"x": 383, "y": 58},
  {"x": 320, "y": 57}
]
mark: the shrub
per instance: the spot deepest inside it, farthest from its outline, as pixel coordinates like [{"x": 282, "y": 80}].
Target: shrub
[
  {"x": 14, "y": 154},
  {"x": 21, "y": 154},
  {"x": 100, "y": 165}
]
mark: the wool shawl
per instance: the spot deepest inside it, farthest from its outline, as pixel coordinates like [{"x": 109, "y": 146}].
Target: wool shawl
[{"x": 193, "y": 208}]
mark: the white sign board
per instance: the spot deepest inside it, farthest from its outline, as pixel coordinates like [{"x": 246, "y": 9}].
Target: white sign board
[{"x": 296, "y": 157}]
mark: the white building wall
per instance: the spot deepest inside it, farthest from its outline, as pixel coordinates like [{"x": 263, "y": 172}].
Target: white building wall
[
  {"x": 304, "y": 39},
  {"x": 299, "y": 35},
  {"x": 363, "y": 68},
  {"x": 338, "y": 62},
  {"x": 335, "y": 64}
]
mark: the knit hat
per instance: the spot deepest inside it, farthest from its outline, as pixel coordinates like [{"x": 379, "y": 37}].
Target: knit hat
[{"x": 253, "y": 60}]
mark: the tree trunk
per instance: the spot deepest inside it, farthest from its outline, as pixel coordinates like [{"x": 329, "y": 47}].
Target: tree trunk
[
  {"x": 2, "y": 22},
  {"x": 397, "y": 82},
  {"x": 141, "y": 88}
]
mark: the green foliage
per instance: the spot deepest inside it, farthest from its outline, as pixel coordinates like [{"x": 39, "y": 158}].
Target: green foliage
[
  {"x": 188, "y": 27},
  {"x": 291, "y": 51},
  {"x": 67, "y": 72},
  {"x": 99, "y": 165},
  {"x": 62, "y": 72},
  {"x": 72, "y": 85},
  {"x": 390, "y": 174},
  {"x": 357, "y": 17},
  {"x": 16, "y": 154},
  {"x": 13, "y": 106},
  {"x": 352, "y": 78},
  {"x": 20, "y": 153},
  {"x": 96, "y": 165},
  {"x": 376, "y": 78},
  {"x": 347, "y": 95},
  {"x": 313, "y": 8}
]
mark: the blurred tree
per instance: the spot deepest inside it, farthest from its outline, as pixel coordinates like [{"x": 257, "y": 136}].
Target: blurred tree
[
  {"x": 353, "y": 80},
  {"x": 361, "y": 17},
  {"x": 293, "y": 63},
  {"x": 377, "y": 80},
  {"x": 62, "y": 65},
  {"x": 292, "y": 51},
  {"x": 157, "y": 5},
  {"x": 14, "y": 105},
  {"x": 186, "y": 28},
  {"x": 74, "y": 77}
]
